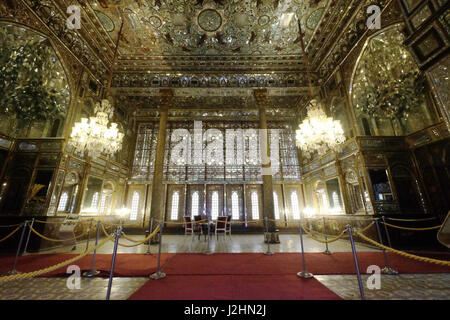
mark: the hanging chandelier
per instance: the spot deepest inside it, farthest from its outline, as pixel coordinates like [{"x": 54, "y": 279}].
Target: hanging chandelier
[
  {"x": 319, "y": 132},
  {"x": 94, "y": 136}
]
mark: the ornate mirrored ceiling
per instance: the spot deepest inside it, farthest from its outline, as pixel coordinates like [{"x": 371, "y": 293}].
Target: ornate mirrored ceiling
[{"x": 209, "y": 27}]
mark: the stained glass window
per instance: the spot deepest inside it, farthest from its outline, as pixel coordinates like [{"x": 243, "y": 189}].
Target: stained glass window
[{"x": 219, "y": 151}]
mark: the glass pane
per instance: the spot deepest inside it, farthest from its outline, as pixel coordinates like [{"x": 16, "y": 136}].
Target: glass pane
[{"x": 91, "y": 197}]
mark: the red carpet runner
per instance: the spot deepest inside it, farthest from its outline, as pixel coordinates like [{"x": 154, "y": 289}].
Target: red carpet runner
[
  {"x": 132, "y": 265},
  {"x": 233, "y": 287}
]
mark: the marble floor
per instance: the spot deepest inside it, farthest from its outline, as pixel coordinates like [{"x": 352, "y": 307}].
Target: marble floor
[
  {"x": 401, "y": 287},
  {"x": 235, "y": 244}
]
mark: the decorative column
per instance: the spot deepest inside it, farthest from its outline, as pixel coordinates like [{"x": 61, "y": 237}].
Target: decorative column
[
  {"x": 157, "y": 203},
  {"x": 264, "y": 143},
  {"x": 342, "y": 185}
]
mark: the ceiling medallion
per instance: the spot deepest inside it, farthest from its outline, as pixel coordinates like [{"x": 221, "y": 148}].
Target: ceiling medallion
[{"x": 209, "y": 20}]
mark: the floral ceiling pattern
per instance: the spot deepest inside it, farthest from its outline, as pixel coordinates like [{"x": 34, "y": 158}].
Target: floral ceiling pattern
[{"x": 209, "y": 27}]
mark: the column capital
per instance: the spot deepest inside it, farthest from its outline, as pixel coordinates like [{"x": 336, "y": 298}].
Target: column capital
[{"x": 165, "y": 99}]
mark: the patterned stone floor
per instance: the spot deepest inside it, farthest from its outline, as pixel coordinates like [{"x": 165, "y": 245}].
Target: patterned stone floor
[
  {"x": 401, "y": 287},
  {"x": 57, "y": 289}
]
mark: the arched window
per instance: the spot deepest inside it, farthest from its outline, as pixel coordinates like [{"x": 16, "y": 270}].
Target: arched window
[
  {"x": 194, "y": 207},
  {"x": 234, "y": 205},
  {"x": 63, "y": 202},
  {"x": 275, "y": 206},
  {"x": 134, "y": 206},
  {"x": 215, "y": 205},
  {"x": 294, "y": 204},
  {"x": 175, "y": 200},
  {"x": 255, "y": 206},
  {"x": 94, "y": 202}
]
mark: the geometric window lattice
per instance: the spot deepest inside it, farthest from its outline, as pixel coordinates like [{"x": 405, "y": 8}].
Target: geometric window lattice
[
  {"x": 174, "y": 211},
  {"x": 63, "y": 202},
  {"x": 232, "y": 161},
  {"x": 134, "y": 206},
  {"x": 255, "y": 205}
]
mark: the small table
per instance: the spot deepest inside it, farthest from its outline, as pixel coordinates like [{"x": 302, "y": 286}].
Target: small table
[{"x": 204, "y": 226}]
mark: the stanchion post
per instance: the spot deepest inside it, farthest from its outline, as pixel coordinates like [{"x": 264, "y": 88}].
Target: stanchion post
[
  {"x": 208, "y": 249},
  {"x": 159, "y": 274},
  {"x": 89, "y": 235},
  {"x": 113, "y": 262},
  {"x": 13, "y": 270},
  {"x": 358, "y": 274},
  {"x": 387, "y": 233},
  {"x": 326, "y": 238},
  {"x": 92, "y": 273},
  {"x": 304, "y": 273},
  {"x": 28, "y": 237},
  {"x": 150, "y": 230},
  {"x": 387, "y": 269},
  {"x": 266, "y": 237}
]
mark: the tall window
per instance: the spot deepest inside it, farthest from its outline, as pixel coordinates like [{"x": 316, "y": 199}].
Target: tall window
[
  {"x": 134, "y": 206},
  {"x": 94, "y": 200},
  {"x": 255, "y": 206},
  {"x": 295, "y": 208},
  {"x": 63, "y": 201},
  {"x": 336, "y": 203},
  {"x": 275, "y": 205},
  {"x": 103, "y": 204},
  {"x": 234, "y": 205},
  {"x": 194, "y": 207},
  {"x": 175, "y": 200},
  {"x": 215, "y": 205}
]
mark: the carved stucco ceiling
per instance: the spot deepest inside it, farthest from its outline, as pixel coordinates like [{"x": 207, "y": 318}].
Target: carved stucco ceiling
[{"x": 208, "y": 27}]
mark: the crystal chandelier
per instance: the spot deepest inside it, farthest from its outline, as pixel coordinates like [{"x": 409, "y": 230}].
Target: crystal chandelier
[
  {"x": 94, "y": 136},
  {"x": 319, "y": 132}
]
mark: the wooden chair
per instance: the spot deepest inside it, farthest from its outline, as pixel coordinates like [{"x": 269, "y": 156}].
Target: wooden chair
[
  {"x": 191, "y": 228},
  {"x": 221, "y": 226},
  {"x": 228, "y": 227}
]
